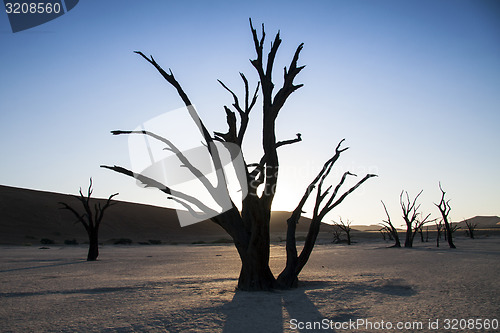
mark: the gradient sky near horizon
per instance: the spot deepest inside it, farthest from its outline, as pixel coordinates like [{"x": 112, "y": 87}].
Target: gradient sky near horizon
[{"x": 413, "y": 87}]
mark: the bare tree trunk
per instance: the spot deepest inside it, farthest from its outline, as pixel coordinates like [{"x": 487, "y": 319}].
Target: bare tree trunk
[
  {"x": 449, "y": 235},
  {"x": 255, "y": 273},
  {"x": 93, "y": 245},
  {"x": 421, "y": 233},
  {"x": 409, "y": 238},
  {"x": 439, "y": 228}
]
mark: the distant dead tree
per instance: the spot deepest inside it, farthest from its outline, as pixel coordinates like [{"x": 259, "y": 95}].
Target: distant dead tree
[
  {"x": 336, "y": 233},
  {"x": 389, "y": 227},
  {"x": 420, "y": 231},
  {"x": 471, "y": 227},
  {"x": 454, "y": 227},
  {"x": 439, "y": 229},
  {"x": 444, "y": 209},
  {"x": 91, "y": 220},
  {"x": 419, "y": 227},
  {"x": 346, "y": 228},
  {"x": 249, "y": 226},
  {"x": 386, "y": 233},
  {"x": 411, "y": 217}
]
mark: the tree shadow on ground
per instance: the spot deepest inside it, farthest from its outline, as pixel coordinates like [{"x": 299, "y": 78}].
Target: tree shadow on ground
[
  {"x": 274, "y": 311},
  {"x": 58, "y": 262}
]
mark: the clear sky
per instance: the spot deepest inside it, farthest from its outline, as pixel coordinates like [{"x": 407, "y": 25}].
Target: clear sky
[{"x": 413, "y": 86}]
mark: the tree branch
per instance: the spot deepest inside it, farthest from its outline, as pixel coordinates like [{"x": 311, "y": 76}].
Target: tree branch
[
  {"x": 195, "y": 171},
  {"x": 77, "y": 215},
  {"x": 149, "y": 182}
]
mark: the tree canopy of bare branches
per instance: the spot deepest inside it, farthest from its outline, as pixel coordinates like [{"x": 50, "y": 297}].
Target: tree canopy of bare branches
[{"x": 249, "y": 228}]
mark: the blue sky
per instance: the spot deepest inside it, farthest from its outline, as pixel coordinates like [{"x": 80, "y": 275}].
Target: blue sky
[{"x": 413, "y": 86}]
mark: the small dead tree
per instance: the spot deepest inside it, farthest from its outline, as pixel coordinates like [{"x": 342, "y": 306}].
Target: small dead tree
[
  {"x": 439, "y": 229},
  {"x": 454, "y": 227},
  {"x": 471, "y": 227},
  {"x": 337, "y": 234},
  {"x": 90, "y": 220},
  {"x": 411, "y": 217},
  {"x": 288, "y": 278},
  {"x": 346, "y": 228},
  {"x": 444, "y": 209},
  {"x": 392, "y": 231},
  {"x": 420, "y": 231},
  {"x": 419, "y": 227},
  {"x": 386, "y": 233}
]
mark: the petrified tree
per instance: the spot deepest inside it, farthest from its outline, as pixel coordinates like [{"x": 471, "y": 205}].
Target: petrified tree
[
  {"x": 411, "y": 217},
  {"x": 249, "y": 228},
  {"x": 420, "y": 231},
  {"x": 295, "y": 263},
  {"x": 386, "y": 233},
  {"x": 389, "y": 227},
  {"x": 439, "y": 229},
  {"x": 471, "y": 227},
  {"x": 444, "y": 209},
  {"x": 90, "y": 220},
  {"x": 346, "y": 228},
  {"x": 337, "y": 234}
]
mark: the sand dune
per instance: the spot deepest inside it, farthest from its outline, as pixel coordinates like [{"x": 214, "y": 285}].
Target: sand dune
[{"x": 26, "y": 216}]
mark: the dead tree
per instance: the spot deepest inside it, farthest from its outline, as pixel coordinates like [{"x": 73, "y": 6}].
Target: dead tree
[
  {"x": 439, "y": 229},
  {"x": 387, "y": 224},
  {"x": 444, "y": 209},
  {"x": 420, "y": 231},
  {"x": 454, "y": 227},
  {"x": 346, "y": 228},
  {"x": 411, "y": 217},
  {"x": 90, "y": 220},
  {"x": 471, "y": 227},
  {"x": 249, "y": 228},
  {"x": 419, "y": 227},
  {"x": 386, "y": 233},
  {"x": 337, "y": 234}
]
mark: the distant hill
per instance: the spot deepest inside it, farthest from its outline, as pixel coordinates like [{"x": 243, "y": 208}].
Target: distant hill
[
  {"x": 372, "y": 227},
  {"x": 483, "y": 222},
  {"x": 26, "y": 216}
]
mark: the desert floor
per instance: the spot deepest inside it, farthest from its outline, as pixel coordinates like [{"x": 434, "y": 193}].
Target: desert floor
[{"x": 191, "y": 288}]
